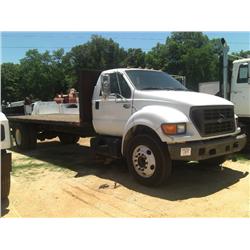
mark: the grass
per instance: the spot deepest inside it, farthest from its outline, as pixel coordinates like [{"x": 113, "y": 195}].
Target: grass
[
  {"x": 31, "y": 167},
  {"x": 242, "y": 157}
]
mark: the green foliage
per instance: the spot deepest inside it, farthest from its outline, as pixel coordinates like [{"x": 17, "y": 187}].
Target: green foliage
[
  {"x": 190, "y": 54},
  {"x": 42, "y": 75},
  {"x": 10, "y": 84},
  {"x": 242, "y": 53},
  {"x": 135, "y": 58},
  {"x": 157, "y": 57},
  {"x": 99, "y": 53}
]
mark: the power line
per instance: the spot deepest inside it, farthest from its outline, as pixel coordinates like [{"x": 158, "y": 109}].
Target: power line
[
  {"x": 87, "y": 35},
  {"x": 57, "y": 47},
  {"x": 79, "y": 37}
]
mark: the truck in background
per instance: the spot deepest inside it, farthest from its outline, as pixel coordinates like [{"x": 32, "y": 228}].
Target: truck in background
[
  {"x": 5, "y": 157},
  {"x": 236, "y": 89},
  {"x": 144, "y": 116}
]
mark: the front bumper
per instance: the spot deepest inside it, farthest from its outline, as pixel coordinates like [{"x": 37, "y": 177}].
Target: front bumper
[{"x": 202, "y": 150}]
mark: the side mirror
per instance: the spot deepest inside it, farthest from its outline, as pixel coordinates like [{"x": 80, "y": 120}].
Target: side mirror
[{"x": 105, "y": 85}]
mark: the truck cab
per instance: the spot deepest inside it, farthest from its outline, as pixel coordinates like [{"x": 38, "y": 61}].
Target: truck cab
[
  {"x": 152, "y": 98},
  {"x": 146, "y": 108},
  {"x": 5, "y": 156}
]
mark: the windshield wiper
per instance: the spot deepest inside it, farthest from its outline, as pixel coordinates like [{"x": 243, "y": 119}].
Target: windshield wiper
[
  {"x": 169, "y": 88},
  {"x": 165, "y": 88},
  {"x": 181, "y": 89},
  {"x": 152, "y": 88}
]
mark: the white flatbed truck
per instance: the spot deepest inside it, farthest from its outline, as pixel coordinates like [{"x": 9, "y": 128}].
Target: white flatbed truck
[{"x": 144, "y": 116}]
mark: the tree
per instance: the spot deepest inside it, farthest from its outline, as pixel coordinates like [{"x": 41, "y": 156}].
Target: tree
[
  {"x": 186, "y": 53},
  {"x": 10, "y": 88},
  {"x": 135, "y": 58},
  {"x": 242, "y": 53},
  {"x": 99, "y": 53},
  {"x": 157, "y": 57},
  {"x": 43, "y": 75}
]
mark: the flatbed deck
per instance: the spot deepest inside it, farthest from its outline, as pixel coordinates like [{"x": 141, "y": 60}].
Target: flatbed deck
[
  {"x": 55, "y": 119},
  {"x": 66, "y": 123}
]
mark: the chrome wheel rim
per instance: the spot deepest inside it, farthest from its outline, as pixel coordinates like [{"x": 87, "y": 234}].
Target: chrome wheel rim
[
  {"x": 18, "y": 137},
  {"x": 144, "y": 161}
]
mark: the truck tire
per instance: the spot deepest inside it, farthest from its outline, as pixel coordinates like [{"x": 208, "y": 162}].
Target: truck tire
[
  {"x": 25, "y": 137},
  {"x": 213, "y": 162},
  {"x": 148, "y": 160},
  {"x": 68, "y": 138}
]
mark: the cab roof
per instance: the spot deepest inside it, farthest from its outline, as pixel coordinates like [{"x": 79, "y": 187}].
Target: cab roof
[
  {"x": 126, "y": 69},
  {"x": 245, "y": 60}
]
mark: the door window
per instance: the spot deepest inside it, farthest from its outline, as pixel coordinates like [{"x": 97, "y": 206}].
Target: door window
[
  {"x": 125, "y": 89},
  {"x": 243, "y": 74},
  {"x": 118, "y": 85},
  {"x": 114, "y": 87}
]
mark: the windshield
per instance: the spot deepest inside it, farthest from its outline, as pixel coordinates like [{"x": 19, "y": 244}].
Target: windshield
[{"x": 153, "y": 80}]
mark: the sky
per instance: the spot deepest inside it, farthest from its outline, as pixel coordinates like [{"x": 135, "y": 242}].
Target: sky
[{"x": 15, "y": 44}]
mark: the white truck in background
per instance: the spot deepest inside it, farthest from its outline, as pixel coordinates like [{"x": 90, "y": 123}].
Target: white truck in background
[
  {"x": 5, "y": 156},
  {"x": 144, "y": 116},
  {"x": 237, "y": 90}
]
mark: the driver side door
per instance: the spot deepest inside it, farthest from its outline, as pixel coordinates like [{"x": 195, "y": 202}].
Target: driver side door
[{"x": 116, "y": 108}]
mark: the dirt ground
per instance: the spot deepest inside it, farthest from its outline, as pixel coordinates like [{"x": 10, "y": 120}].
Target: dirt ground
[{"x": 68, "y": 181}]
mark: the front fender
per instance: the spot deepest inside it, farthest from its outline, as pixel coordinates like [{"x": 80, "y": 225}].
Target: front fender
[{"x": 153, "y": 116}]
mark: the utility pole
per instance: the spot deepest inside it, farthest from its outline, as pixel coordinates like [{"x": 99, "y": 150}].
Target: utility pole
[{"x": 225, "y": 49}]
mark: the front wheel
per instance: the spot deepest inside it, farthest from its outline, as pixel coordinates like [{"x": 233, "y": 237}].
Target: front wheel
[{"x": 148, "y": 160}]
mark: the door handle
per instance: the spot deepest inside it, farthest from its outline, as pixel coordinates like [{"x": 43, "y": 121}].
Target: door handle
[
  {"x": 126, "y": 105},
  {"x": 97, "y": 105},
  {"x": 121, "y": 101}
]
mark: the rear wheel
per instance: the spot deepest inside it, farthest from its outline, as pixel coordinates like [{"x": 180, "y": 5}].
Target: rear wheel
[
  {"x": 68, "y": 138},
  {"x": 25, "y": 137},
  {"x": 148, "y": 160}
]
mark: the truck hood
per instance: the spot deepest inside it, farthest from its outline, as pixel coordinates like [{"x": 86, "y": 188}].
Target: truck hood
[{"x": 188, "y": 98}]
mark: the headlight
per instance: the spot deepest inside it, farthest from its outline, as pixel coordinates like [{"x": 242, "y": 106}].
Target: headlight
[
  {"x": 173, "y": 128},
  {"x": 237, "y": 121}
]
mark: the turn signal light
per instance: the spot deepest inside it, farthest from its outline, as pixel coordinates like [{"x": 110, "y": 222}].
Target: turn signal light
[{"x": 173, "y": 128}]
